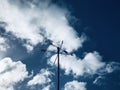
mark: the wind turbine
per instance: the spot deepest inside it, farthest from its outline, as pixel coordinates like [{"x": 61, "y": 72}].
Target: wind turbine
[{"x": 59, "y": 48}]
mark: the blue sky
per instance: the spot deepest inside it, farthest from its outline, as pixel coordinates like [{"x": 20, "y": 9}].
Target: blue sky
[{"x": 89, "y": 30}]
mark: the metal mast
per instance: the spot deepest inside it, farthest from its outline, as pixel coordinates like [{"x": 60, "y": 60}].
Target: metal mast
[
  {"x": 58, "y": 63},
  {"x": 58, "y": 52}
]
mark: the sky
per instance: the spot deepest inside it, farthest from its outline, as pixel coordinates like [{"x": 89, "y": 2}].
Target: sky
[{"x": 90, "y": 34}]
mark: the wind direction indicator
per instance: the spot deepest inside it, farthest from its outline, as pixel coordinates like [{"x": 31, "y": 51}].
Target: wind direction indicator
[{"x": 59, "y": 49}]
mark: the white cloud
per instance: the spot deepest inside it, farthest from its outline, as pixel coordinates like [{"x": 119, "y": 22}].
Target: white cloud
[
  {"x": 26, "y": 23},
  {"x": 3, "y": 44},
  {"x": 75, "y": 85},
  {"x": 107, "y": 69},
  {"x": 71, "y": 64},
  {"x": 112, "y": 66},
  {"x": 11, "y": 73},
  {"x": 18, "y": 23},
  {"x": 47, "y": 87},
  {"x": 41, "y": 78},
  {"x": 32, "y": 23},
  {"x": 93, "y": 62},
  {"x": 98, "y": 80}
]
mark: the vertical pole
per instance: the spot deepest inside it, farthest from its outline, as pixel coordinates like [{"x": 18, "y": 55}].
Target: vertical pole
[{"x": 58, "y": 51}]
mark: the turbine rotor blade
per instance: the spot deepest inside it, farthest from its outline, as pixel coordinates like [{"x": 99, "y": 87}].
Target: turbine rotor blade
[
  {"x": 55, "y": 59},
  {"x": 68, "y": 53},
  {"x": 61, "y": 44}
]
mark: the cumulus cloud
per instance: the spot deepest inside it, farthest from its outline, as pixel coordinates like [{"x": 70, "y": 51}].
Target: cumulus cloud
[
  {"x": 47, "y": 87},
  {"x": 110, "y": 67},
  {"x": 26, "y": 23},
  {"x": 18, "y": 23},
  {"x": 42, "y": 78},
  {"x": 89, "y": 64},
  {"x": 75, "y": 85},
  {"x": 11, "y": 73},
  {"x": 3, "y": 44},
  {"x": 33, "y": 21}
]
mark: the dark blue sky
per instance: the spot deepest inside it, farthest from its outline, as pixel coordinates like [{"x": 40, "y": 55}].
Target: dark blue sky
[{"x": 100, "y": 20}]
